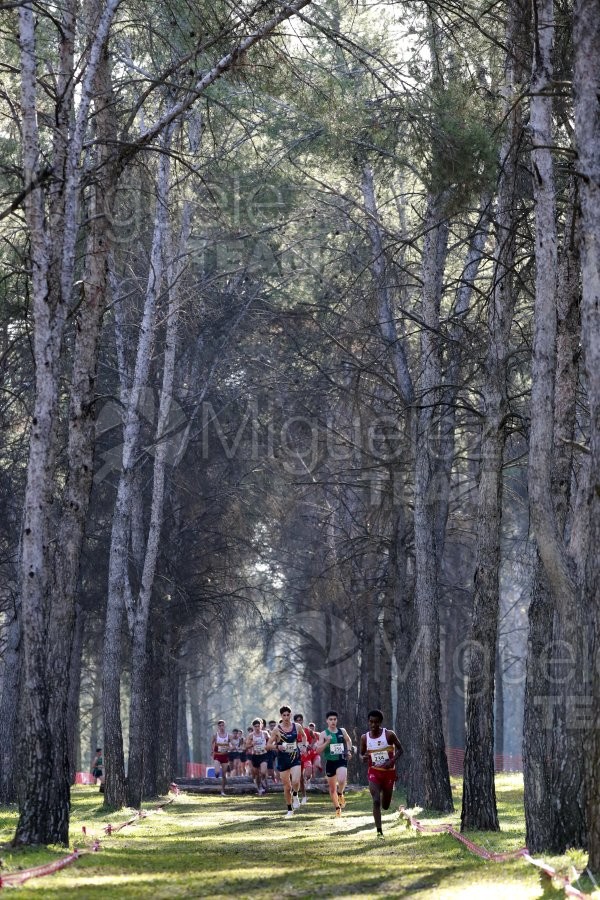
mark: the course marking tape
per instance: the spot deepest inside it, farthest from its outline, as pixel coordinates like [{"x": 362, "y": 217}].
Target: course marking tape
[
  {"x": 448, "y": 828},
  {"x": 16, "y": 878}
]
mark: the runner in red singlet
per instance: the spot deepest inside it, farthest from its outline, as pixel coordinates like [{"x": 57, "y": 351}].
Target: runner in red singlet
[
  {"x": 220, "y": 752},
  {"x": 380, "y": 748}
]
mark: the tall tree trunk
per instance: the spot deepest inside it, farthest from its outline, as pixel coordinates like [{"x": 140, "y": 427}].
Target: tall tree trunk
[
  {"x": 80, "y": 451},
  {"x": 44, "y": 807},
  {"x": 406, "y": 645},
  {"x": 183, "y": 742},
  {"x": 196, "y": 700},
  {"x": 119, "y": 591},
  {"x": 452, "y": 378},
  {"x": 142, "y": 607},
  {"x": 95, "y": 713},
  {"x": 112, "y": 655},
  {"x": 537, "y": 720},
  {"x": 499, "y": 707},
  {"x": 479, "y": 794},
  {"x": 404, "y": 612},
  {"x": 151, "y": 724},
  {"x": 33, "y": 825},
  {"x": 586, "y": 41},
  {"x": 167, "y": 730},
  {"x": 429, "y": 780},
  {"x": 73, "y": 721},
  {"x": 9, "y": 708},
  {"x": 548, "y": 465}
]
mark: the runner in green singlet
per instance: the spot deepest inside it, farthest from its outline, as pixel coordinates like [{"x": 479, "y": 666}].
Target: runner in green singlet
[{"x": 335, "y": 746}]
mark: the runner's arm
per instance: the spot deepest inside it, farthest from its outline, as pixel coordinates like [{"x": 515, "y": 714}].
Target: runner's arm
[
  {"x": 363, "y": 748},
  {"x": 392, "y": 738},
  {"x": 322, "y": 742},
  {"x": 272, "y": 743},
  {"x": 393, "y": 742},
  {"x": 348, "y": 741}
]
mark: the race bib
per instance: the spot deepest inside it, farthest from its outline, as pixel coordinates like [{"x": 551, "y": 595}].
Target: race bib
[
  {"x": 337, "y": 749},
  {"x": 290, "y": 748},
  {"x": 379, "y": 757}
]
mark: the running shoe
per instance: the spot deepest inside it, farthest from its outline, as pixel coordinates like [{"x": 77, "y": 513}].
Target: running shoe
[
  {"x": 289, "y": 814},
  {"x": 223, "y": 794},
  {"x": 295, "y": 802},
  {"x": 304, "y": 800},
  {"x": 341, "y": 800},
  {"x": 338, "y": 812},
  {"x": 380, "y": 834}
]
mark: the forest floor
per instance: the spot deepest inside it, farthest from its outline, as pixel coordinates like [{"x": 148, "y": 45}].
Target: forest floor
[{"x": 244, "y": 847}]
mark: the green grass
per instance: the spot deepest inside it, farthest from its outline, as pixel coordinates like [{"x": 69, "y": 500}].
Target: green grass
[{"x": 210, "y": 846}]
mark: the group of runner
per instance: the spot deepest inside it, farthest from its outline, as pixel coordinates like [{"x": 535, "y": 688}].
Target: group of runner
[{"x": 290, "y": 751}]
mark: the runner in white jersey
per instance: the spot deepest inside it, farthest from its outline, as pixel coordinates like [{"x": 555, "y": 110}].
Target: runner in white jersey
[
  {"x": 236, "y": 748},
  {"x": 256, "y": 746},
  {"x": 220, "y": 751},
  {"x": 380, "y": 748}
]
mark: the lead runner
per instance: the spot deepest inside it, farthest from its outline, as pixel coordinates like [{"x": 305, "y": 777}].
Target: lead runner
[
  {"x": 380, "y": 748},
  {"x": 284, "y": 739}
]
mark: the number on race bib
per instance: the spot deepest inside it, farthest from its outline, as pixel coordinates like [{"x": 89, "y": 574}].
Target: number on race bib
[
  {"x": 337, "y": 749},
  {"x": 379, "y": 757},
  {"x": 291, "y": 748}
]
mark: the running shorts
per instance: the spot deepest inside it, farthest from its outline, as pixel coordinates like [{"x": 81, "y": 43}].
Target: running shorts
[
  {"x": 257, "y": 759},
  {"x": 308, "y": 758},
  {"x": 287, "y": 761},
  {"x": 332, "y": 765},
  {"x": 384, "y": 778},
  {"x": 221, "y": 757}
]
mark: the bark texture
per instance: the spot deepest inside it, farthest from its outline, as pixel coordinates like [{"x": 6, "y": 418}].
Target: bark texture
[
  {"x": 553, "y": 380},
  {"x": 429, "y": 784},
  {"x": 479, "y": 794},
  {"x": 586, "y": 40}
]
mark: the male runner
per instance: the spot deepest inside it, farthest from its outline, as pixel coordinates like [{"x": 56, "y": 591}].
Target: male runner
[
  {"x": 380, "y": 748},
  {"x": 317, "y": 764},
  {"x": 256, "y": 746},
  {"x": 236, "y": 744},
  {"x": 220, "y": 751},
  {"x": 335, "y": 745},
  {"x": 307, "y": 756},
  {"x": 285, "y": 738}
]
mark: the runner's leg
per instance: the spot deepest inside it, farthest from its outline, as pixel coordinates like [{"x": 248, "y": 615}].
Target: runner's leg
[
  {"x": 295, "y": 774},
  {"x": 375, "y": 790},
  {"x": 386, "y": 796},
  {"x": 342, "y": 777},
  {"x": 308, "y": 774},
  {"x": 287, "y": 787},
  {"x": 331, "y": 783},
  {"x": 224, "y": 768}
]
